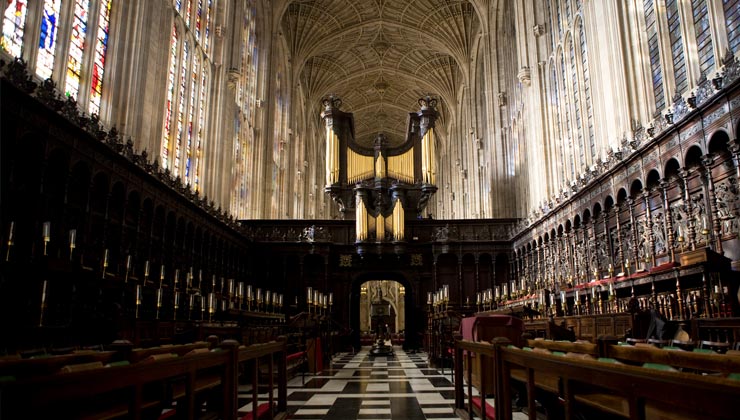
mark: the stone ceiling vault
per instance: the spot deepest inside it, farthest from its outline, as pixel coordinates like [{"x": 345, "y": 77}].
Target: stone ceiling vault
[{"x": 381, "y": 56}]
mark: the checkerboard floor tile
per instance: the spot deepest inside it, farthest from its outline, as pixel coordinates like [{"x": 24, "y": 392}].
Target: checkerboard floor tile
[{"x": 357, "y": 386}]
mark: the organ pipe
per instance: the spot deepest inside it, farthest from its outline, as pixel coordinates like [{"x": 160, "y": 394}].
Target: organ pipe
[
  {"x": 398, "y": 225},
  {"x": 401, "y": 167},
  {"x": 428, "y": 153},
  {"x": 380, "y": 228},
  {"x": 360, "y": 219},
  {"x": 359, "y": 167},
  {"x": 380, "y": 171},
  {"x": 332, "y": 156}
]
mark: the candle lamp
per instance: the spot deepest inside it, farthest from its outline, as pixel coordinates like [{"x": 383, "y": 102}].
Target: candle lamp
[
  {"x": 72, "y": 242},
  {"x": 309, "y": 298},
  {"x": 240, "y": 295},
  {"x": 211, "y": 305},
  {"x": 11, "y": 232},
  {"x": 268, "y": 299},
  {"x": 258, "y": 298},
  {"x": 138, "y": 300},
  {"x": 42, "y": 307},
  {"x": 202, "y": 307},
  {"x": 146, "y": 272},
  {"x": 250, "y": 297},
  {"x": 105, "y": 262},
  {"x": 161, "y": 276},
  {"x": 46, "y": 234},
  {"x": 128, "y": 268},
  {"x": 159, "y": 301}
]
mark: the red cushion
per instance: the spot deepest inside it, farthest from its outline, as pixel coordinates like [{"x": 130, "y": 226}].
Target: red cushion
[
  {"x": 294, "y": 356},
  {"x": 490, "y": 413},
  {"x": 262, "y": 409}
]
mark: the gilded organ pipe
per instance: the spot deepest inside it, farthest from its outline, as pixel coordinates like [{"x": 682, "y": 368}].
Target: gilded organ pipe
[
  {"x": 380, "y": 171},
  {"x": 428, "y": 153},
  {"x": 360, "y": 219},
  {"x": 359, "y": 167},
  {"x": 401, "y": 167},
  {"x": 332, "y": 156},
  {"x": 380, "y": 228},
  {"x": 398, "y": 220}
]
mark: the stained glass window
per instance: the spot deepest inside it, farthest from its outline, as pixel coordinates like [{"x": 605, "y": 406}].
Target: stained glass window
[
  {"x": 653, "y": 47},
  {"x": 101, "y": 48},
  {"x": 674, "y": 30},
  {"x": 703, "y": 36},
  {"x": 577, "y": 102},
  {"x": 13, "y": 24},
  {"x": 587, "y": 89},
  {"x": 167, "y": 137},
  {"x": 181, "y": 107},
  {"x": 191, "y": 116},
  {"x": 555, "y": 106},
  {"x": 201, "y": 126},
  {"x": 209, "y": 9},
  {"x": 48, "y": 38},
  {"x": 732, "y": 21},
  {"x": 567, "y": 133},
  {"x": 76, "y": 47},
  {"x": 187, "y": 12},
  {"x": 198, "y": 17}
]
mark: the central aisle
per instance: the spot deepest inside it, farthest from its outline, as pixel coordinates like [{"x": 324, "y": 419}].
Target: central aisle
[{"x": 357, "y": 386}]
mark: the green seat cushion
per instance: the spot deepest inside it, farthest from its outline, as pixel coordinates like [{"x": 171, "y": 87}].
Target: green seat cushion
[{"x": 659, "y": 366}]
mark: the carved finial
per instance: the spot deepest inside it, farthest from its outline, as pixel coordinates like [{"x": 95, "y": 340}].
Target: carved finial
[
  {"x": 428, "y": 102},
  {"x": 332, "y": 102}
]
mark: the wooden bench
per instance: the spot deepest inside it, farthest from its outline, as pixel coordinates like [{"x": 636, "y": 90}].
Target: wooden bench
[
  {"x": 622, "y": 390},
  {"x": 128, "y": 390},
  {"x": 567, "y": 378},
  {"x": 188, "y": 375},
  {"x": 699, "y": 361}
]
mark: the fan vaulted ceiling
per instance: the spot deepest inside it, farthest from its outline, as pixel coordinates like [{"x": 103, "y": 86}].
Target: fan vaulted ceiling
[{"x": 381, "y": 56}]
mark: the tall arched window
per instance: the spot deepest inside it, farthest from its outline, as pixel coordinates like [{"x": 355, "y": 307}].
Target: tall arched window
[
  {"x": 14, "y": 22},
  {"x": 676, "y": 38},
  {"x": 732, "y": 23},
  {"x": 48, "y": 38},
  {"x": 186, "y": 106},
  {"x": 703, "y": 36},
  {"x": 582, "y": 151},
  {"x": 654, "y": 50},
  {"x": 246, "y": 101},
  {"x": 587, "y": 88},
  {"x": 557, "y": 128},
  {"x": 567, "y": 133},
  {"x": 550, "y": 23},
  {"x": 69, "y": 46}
]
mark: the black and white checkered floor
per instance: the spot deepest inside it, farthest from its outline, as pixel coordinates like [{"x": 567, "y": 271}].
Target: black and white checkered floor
[{"x": 357, "y": 386}]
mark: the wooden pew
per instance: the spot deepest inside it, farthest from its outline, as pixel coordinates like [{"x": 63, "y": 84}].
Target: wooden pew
[
  {"x": 621, "y": 390},
  {"x": 607, "y": 348},
  {"x": 44, "y": 365},
  {"x": 189, "y": 374},
  {"x": 274, "y": 352},
  {"x": 133, "y": 390},
  {"x": 560, "y": 371}
]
